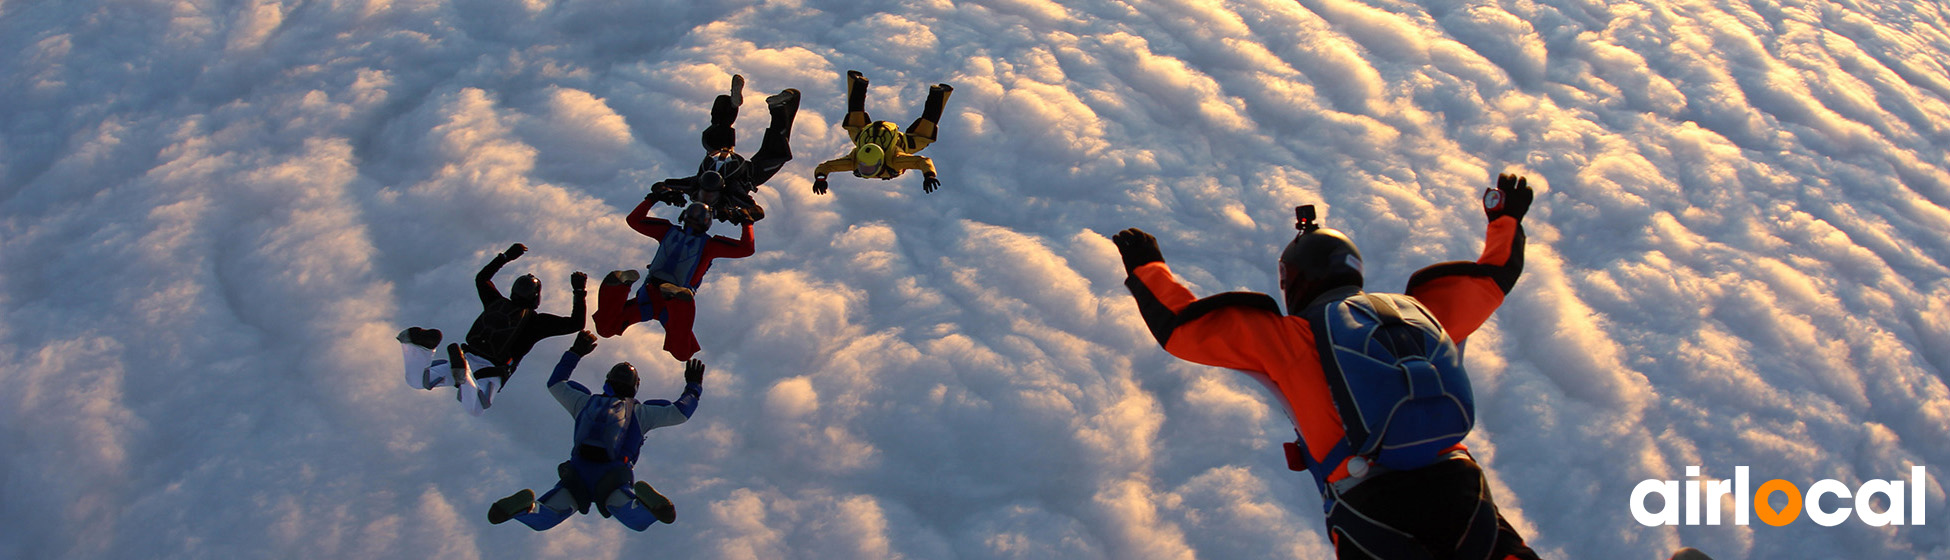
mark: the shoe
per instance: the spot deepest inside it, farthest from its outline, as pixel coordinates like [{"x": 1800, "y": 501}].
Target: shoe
[
  {"x": 424, "y": 338},
  {"x": 941, "y": 88},
  {"x": 459, "y": 364},
  {"x": 511, "y": 506},
  {"x": 784, "y": 106},
  {"x": 623, "y": 277},
  {"x": 737, "y": 89},
  {"x": 660, "y": 507}
]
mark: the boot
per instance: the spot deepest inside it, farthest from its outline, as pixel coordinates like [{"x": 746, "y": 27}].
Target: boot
[
  {"x": 784, "y": 106},
  {"x": 937, "y": 100},
  {"x": 424, "y": 338},
  {"x": 624, "y": 277},
  {"x": 660, "y": 506},
  {"x": 511, "y": 506},
  {"x": 856, "y": 91},
  {"x": 737, "y": 90},
  {"x": 458, "y": 362}
]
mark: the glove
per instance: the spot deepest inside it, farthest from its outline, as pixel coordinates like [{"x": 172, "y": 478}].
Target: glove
[
  {"x": 694, "y": 372},
  {"x": 929, "y": 183},
  {"x": 657, "y": 191},
  {"x": 1511, "y": 197},
  {"x": 1137, "y": 247},
  {"x": 819, "y": 185},
  {"x": 584, "y": 344},
  {"x": 578, "y": 281},
  {"x": 739, "y": 216},
  {"x": 514, "y": 251}
]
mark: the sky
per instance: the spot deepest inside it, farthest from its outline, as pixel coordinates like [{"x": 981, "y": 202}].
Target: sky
[{"x": 216, "y": 215}]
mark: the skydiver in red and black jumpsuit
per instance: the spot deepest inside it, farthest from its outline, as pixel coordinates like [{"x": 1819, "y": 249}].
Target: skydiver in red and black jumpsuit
[{"x": 1431, "y": 512}]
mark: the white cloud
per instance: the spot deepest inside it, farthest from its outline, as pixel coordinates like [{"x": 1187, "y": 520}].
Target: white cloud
[{"x": 216, "y": 217}]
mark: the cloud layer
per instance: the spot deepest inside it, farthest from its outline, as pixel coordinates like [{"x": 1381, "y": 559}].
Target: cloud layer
[{"x": 215, "y": 217}]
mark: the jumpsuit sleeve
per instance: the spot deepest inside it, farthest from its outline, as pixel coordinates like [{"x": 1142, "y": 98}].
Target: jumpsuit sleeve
[
  {"x": 1237, "y": 330},
  {"x": 640, "y": 220},
  {"x": 571, "y": 395},
  {"x": 727, "y": 248},
  {"x": 842, "y": 164},
  {"x": 484, "y": 280},
  {"x": 660, "y": 413},
  {"x": 914, "y": 162},
  {"x": 547, "y": 325},
  {"x": 681, "y": 182},
  {"x": 1463, "y": 294}
]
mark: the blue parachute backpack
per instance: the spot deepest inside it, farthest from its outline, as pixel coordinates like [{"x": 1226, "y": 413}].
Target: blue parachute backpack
[
  {"x": 1397, "y": 380},
  {"x": 678, "y": 255},
  {"x": 607, "y": 430}
]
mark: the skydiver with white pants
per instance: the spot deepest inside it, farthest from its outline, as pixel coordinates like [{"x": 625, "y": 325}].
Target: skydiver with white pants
[{"x": 507, "y": 328}]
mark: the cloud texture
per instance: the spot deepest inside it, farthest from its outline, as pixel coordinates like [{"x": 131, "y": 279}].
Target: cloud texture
[{"x": 214, "y": 217}]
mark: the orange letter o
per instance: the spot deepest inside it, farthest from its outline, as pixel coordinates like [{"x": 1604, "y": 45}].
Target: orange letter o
[{"x": 1777, "y": 517}]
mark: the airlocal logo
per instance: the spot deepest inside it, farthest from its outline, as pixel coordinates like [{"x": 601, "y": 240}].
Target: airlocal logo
[{"x": 1764, "y": 508}]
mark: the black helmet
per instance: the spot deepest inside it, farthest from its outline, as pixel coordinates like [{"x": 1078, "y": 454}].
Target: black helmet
[
  {"x": 1316, "y": 261},
  {"x": 696, "y": 217},
  {"x": 621, "y": 380},
  {"x": 527, "y": 291},
  {"x": 710, "y": 181}
]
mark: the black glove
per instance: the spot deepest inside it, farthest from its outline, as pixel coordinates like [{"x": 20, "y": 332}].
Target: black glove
[
  {"x": 694, "y": 372},
  {"x": 1511, "y": 197},
  {"x": 584, "y": 344},
  {"x": 929, "y": 183},
  {"x": 657, "y": 192},
  {"x": 819, "y": 185},
  {"x": 578, "y": 281},
  {"x": 1137, "y": 247},
  {"x": 514, "y": 251}
]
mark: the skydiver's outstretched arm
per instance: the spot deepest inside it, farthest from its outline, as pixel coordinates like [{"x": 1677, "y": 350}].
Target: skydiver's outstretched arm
[
  {"x": 484, "y": 280},
  {"x": 571, "y": 395},
  {"x": 912, "y": 162},
  {"x": 841, "y": 164},
  {"x": 660, "y": 413},
  {"x": 640, "y": 220},
  {"x": 728, "y": 248},
  {"x": 1235, "y": 330},
  {"x": 1462, "y": 294},
  {"x": 556, "y": 325}
]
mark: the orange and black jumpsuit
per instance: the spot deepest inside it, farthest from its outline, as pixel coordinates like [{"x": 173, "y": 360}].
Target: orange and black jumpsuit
[{"x": 1245, "y": 331}]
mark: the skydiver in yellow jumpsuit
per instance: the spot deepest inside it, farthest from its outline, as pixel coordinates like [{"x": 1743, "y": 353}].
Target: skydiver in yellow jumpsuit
[{"x": 881, "y": 150}]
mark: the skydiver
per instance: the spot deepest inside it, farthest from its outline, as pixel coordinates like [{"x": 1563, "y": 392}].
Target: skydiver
[
  {"x": 882, "y": 151},
  {"x": 1435, "y": 507},
  {"x": 684, "y": 254},
  {"x": 609, "y": 433},
  {"x": 507, "y": 328},
  {"x": 726, "y": 180}
]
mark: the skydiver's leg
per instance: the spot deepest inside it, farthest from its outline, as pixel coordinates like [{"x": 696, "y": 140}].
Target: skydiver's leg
[
  {"x": 724, "y": 111},
  {"x": 548, "y": 511},
  {"x": 856, "y": 105},
  {"x": 680, "y": 312},
  {"x": 925, "y": 129},
  {"x": 856, "y": 92},
  {"x": 476, "y": 395},
  {"x": 1444, "y": 508},
  {"x": 423, "y": 371},
  {"x": 640, "y": 506},
  {"x": 672, "y": 305},
  {"x": 614, "y": 310},
  {"x": 775, "y": 151}
]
